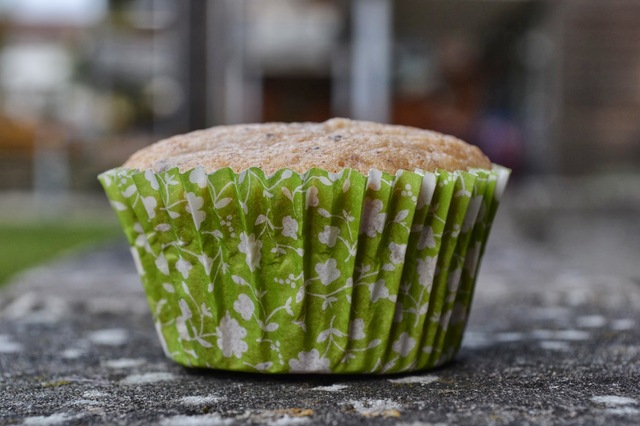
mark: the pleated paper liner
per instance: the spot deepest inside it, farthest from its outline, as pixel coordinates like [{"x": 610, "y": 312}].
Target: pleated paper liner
[{"x": 315, "y": 272}]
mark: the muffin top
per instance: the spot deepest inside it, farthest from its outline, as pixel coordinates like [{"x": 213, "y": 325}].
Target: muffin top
[{"x": 332, "y": 145}]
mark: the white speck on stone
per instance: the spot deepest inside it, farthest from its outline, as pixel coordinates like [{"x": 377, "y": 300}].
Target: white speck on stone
[
  {"x": 212, "y": 419},
  {"x": 54, "y": 419},
  {"x": 550, "y": 313},
  {"x": 22, "y": 306},
  {"x": 280, "y": 417},
  {"x": 196, "y": 401},
  {"x": 613, "y": 400},
  {"x": 93, "y": 394},
  {"x": 72, "y": 353},
  {"x": 287, "y": 420},
  {"x": 124, "y": 363},
  {"x": 109, "y": 337},
  {"x": 554, "y": 345},
  {"x": 623, "y": 324},
  {"x": 577, "y": 296},
  {"x": 331, "y": 388},
  {"x": 476, "y": 340},
  {"x": 617, "y": 405},
  {"x": 147, "y": 378},
  {"x": 509, "y": 336},
  {"x": 7, "y": 345},
  {"x": 373, "y": 407},
  {"x": 423, "y": 380},
  {"x": 33, "y": 308},
  {"x": 573, "y": 335},
  {"x": 542, "y": 334},
  {"x": 623, "y": 411},
  {"x": 591, "y": 321},
  {"x": 84, "y": 402}
]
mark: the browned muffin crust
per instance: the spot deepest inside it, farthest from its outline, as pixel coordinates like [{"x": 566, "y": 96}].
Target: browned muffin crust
[{"x": 332, "y": 145}]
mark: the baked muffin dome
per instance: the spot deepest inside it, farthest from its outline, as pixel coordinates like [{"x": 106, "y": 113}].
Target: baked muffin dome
[
  {"x": 354, "y": 262},
  {"x": 333, "y": 145}
]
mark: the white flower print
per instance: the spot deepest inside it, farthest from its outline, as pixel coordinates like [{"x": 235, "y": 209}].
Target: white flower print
[
  {"x": 184, "y": 267},
  {"x": 162, "y": 264},
  {"x": 185, "y": 310},
  {"x": 426, "y": 270},
  {"x": 356, "y": 329},
  {"x": 150, "y": 205},
  {"x": 310, "y": 362},
  {"x": 230, "y": 335},
  {"x": 118, "y": 205},
  {"x": 106, "y": 177},
  {"x": 199, "y": 177},
  {"x": 472, "y": 213},
  {"x": 378, "y": 291},
  {"x": 141, "y": 239},
  {"x": 472, "y": 258},
  {"x": 459, "y": 314},
  {"x": 181, "y": 326},
  {"x": 181, "y": 321},
  {"x": 426, "y": 190},
  {"x": 426, "y": 239},
  {"x": 501, "y": 183},
  {"x": 454, "y": 279},
  {"x": 312, "y": 197},
  {"x": 404, "y": 344},
  {"x": 251, "y": 248},
  {"x": 329, "y": 235},
  {"x": 137, "y": 261},
  {"x": 244, "y": 306},
  {"x": 194, "y": 204},
  {"x": 290, "y": 227},
  {"x": 397, "y": 252},
  {"x": 160, "y": 334},
  {"x": 130, "y": 191},
  {"x": 163, "y": 227},
  {"x": 151, "y": 178},
  {"x": 170, "y": 179},
  {"x": 206, "y": 261},
  {"x": 374, "y": 180},
  {"x": 372, "y": 220},
  {"x": 444, "y": 319},
  {"x": 328, "y": 271},
  {"x": 335, "y": 176}
]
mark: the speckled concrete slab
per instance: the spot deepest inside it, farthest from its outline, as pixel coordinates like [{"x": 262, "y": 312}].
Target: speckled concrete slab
[{"x": 554, "y": 339}]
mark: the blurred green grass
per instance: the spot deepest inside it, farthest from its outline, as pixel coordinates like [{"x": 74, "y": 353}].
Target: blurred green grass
[{"x": 23, "y": 245}]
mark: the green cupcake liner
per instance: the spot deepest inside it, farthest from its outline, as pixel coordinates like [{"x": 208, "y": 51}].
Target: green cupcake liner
[{"x": 307, "y": 273}]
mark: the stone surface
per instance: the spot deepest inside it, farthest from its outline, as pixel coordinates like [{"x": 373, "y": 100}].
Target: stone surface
[{"x": 554, "y": 338}]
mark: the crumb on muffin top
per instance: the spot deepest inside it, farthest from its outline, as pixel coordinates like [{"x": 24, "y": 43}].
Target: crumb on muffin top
[{"x": 332, "y": 145}]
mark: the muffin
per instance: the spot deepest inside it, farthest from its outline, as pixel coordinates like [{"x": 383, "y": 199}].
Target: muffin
[{"x": 336, "y": 247}]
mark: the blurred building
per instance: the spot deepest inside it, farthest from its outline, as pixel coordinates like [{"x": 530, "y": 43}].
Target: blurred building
[
  {"x": 75, "y": 82},
  {"x": 598, "y": 107},
  {"x": 542, "y": 86}
]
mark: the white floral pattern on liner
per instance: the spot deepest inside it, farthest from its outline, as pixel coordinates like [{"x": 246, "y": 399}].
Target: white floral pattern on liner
[{"x": 217, "y": 254}]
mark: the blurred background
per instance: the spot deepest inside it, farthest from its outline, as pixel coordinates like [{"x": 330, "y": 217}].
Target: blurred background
[{"x": 548, "y": 88}]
